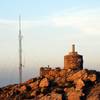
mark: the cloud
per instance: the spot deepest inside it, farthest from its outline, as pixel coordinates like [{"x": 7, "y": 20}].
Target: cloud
[{"x": 87, "y": 21}]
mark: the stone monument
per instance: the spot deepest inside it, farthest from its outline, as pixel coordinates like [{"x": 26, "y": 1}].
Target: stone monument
[{"x": 73, "y": 60}]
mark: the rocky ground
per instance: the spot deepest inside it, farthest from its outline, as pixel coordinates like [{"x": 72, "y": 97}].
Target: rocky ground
[{"x": 71, "y": 85}]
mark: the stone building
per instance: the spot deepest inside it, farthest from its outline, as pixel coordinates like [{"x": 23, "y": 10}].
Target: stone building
[{"x": 72, "y": 61}]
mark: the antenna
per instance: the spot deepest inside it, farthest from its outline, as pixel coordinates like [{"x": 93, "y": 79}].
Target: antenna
[{"x": 20, "y": 52}]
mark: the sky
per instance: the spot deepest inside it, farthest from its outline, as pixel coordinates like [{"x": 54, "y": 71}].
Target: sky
[{"x": 49, "y": 28}]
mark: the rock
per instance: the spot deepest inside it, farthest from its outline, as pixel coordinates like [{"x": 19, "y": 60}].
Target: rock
[
  {"x": 23, "y": 88},
  {"x": 66, "y": 85},
  {"x": 34, "y": 85},
  {"x": 40, "y": 96},
  {"x": 45, "y": 98},
  {"x": 74, "y": 94},
  {"x": 82, "y": 74},
  {"x": 56, "y": 96},
  {"x": 94, "y": 93},
  {"x": 79, "y": 84},
  {"x": 92, "y": 77},
  {"x": 33, "y": 93},
  {"x": 52, "y": 96},
  {"x": 96, "y": 97},
  {"x": 44, "y": 83},
  {"x": 60, "y": 81},
  {"x": 62, "y": 73},
  {"x": 29, "y": 81}
]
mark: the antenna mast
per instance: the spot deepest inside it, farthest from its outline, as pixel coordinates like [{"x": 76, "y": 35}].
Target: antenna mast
[{"x": 20, "y": 52}]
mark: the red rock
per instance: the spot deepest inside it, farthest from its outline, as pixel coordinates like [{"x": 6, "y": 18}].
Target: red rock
[
  {"x": 73, "y": 96},
  {"x": 92, "y": 77},
  {"x": 33, "y": 93},
  {"x": 44, "y": 83},
  {"x": 79, "y": 84},
  {"x": 34, "y": 85},
  {"x": 23, "y": 88},
  {"x": 78, "y": 75}
]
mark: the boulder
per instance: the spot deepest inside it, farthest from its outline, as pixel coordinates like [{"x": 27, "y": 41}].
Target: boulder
[
  {"x": 34, "y": 85},
  {"x": 44, "y": 83},
  {"x": 79, "y": 84},
  {"x": 92, "y": 77},
  {"x": 73, "y": 95},
  {"x": 56, "y": 96},
  {"x": 52, "y": 96},
  {"x": 82, "y": 74},
  {"x": 60, "y": 81},
  {"x": 94, "y": 93},
  {"x": 23, "y": 88},
  {"x": 33, "y": 93}
]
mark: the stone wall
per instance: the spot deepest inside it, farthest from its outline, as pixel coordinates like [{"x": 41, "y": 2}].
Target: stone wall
[
  {"x": 73, "y": 61},
  {"x": 49, "y": 72}
]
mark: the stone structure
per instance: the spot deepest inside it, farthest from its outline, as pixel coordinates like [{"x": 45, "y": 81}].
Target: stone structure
[
  {"x": 73, "y": 60},
  {"x": 47, "y": 72}
]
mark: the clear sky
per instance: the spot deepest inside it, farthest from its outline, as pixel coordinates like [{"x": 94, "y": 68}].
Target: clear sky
[{"x": 49, "y": 28}]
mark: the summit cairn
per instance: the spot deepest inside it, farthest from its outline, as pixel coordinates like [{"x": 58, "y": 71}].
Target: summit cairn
[{"x": 73, "y": 60}]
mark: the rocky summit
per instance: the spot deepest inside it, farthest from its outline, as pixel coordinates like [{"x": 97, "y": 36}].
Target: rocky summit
[
  {"x": 73, "y": 82},
  {"x": 73, "y": 85}
]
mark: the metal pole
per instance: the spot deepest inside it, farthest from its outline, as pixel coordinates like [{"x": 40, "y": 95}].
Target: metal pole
[{"x": 20, "y": 52}]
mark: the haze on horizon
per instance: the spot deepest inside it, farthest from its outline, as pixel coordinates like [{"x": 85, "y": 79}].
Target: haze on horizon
[{"x": 49, "y": 29}]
